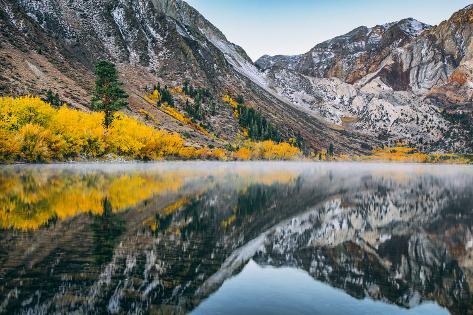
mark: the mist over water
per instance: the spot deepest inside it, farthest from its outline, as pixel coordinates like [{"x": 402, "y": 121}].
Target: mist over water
[{"x": 233, "y": 238}]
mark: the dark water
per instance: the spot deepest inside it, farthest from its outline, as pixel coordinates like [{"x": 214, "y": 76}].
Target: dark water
[{"x": 229, "y": 238}]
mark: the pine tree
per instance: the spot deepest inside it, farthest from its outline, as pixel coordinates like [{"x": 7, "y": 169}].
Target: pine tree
[
  {"x": 185, "y": 87},
  {"x": 331, "y": 149},
  {"x": 166, "y": 96},
  {"x": 52, "y": 98},
  {"x": 240, "y": 100},
  {"x": 109, "y": 96}
]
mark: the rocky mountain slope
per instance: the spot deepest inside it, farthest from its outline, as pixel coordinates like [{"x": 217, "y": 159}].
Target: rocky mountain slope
[
  {"x": 371, "y": 87},
  {"x": 54, "y": 44},
  {"x": 351, "y": 56},
  {"x": 392, "y": 81}
]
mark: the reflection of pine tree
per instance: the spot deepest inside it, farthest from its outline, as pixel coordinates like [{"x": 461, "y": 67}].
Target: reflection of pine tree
[{"x": 107, "y": 229}]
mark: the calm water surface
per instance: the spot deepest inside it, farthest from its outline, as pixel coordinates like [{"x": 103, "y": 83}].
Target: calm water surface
[{"x": 236, "y": 238}]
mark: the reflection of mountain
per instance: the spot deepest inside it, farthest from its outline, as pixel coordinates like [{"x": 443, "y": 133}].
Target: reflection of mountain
[{"x": 370, "y": 232}]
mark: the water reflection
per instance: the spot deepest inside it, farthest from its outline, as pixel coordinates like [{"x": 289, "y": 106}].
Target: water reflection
[
  {"x": 164, "y": 238},
  {"x": 266, "y": 289}
]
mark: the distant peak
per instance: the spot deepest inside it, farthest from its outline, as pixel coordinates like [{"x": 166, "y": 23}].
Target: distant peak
[
  {"x": 465, "y": 15},
  {"x": 413, "y": 27},
  {"x": 410, "y": 26}
]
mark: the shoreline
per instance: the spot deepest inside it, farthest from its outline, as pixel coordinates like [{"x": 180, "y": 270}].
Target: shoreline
[{"x": 306, "y": 161}]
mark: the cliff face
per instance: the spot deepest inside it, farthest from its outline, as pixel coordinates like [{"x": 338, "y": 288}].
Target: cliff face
[
  {"x": 351, "y": 56},
  {"x": 452, "y": 58},
  {"x": 392, "y": 81},
  {"x": 407, "y": 55}
]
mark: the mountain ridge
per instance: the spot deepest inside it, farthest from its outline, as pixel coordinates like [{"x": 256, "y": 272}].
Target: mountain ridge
[
  {"x": 54, "y": 44},
  {"x": 402, "y": 87}
]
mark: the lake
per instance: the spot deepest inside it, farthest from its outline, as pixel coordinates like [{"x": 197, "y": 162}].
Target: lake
[{"x": 236, "y": 238}]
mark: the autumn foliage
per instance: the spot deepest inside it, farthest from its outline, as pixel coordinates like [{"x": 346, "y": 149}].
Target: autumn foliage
[
  {"x": 31, "y": 199},
  {"x": 267, "y": 150},
  {"x": 32, "y": 130},
  {"x": 412, "y": 155}
]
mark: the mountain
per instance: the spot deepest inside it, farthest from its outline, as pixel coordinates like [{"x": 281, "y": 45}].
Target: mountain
[
  {"x": 372, "y": 87},
  {"x": 401, "y": 81},
  {"x": 351, "y": 56},
  {"x": 54, "y": 44}
]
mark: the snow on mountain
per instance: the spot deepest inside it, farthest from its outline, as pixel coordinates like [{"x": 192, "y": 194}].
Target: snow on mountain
[{"x": 391, "y": 81}]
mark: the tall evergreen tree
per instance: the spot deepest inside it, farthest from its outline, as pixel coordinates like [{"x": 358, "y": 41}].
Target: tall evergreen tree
[
  {"x": 166, "y": 96},
  {"x": 109, "y": 96},
  {"x": 52, "y": 98},
  {"x": 331, "y": 150}
]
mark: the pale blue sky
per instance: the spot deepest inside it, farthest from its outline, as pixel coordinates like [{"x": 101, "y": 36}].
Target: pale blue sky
[{"x": 294, "y": 26}]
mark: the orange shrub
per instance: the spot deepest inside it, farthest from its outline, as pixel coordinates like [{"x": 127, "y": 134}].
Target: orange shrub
[{"x": 267, "y": 150}]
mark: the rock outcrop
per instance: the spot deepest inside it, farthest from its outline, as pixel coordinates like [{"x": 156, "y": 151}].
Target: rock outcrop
[{"x": 395, "y": 82}]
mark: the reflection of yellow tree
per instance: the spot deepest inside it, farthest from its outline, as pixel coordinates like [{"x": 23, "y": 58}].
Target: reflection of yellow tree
[
  {"x": 29, "y": 201},
  {"x": 31, "y": 198}
]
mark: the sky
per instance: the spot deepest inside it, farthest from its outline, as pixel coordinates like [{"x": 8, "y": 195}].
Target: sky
[{"x": 290, "y": 27}]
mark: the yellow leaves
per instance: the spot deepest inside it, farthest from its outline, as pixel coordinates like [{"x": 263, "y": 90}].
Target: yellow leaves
[
  {"x": 211, "y": 154},
  {"x": 412, "y": 155},
  {"x": 282, "y": 151},
  {"x": 229, "y": 221},
  {"x": 30, "y": 200},
  {"x": 156, "y": 96},
  {"x": 44, "y": 133},
  {"x": 399, "y": 154},
  {"x": 153, "y": 98},
  {"x": 230, "y": 101},
  {"x": 31, "y": 130},
  {"x": 177, "y": 90},
  {"x": 187, "y": 153},
  {"x": 176, "y": 114},
  {"x": 170, "y": 209},
  {"x": 148, "y": 116},
  {"x": 83, "y": 133},
  {"x": 202, "y": 153},
  {"x": 243, "y": 154},
  {"x": 17, "y": 112},
  {"x": 162, "y": 144},
  {"x": 127, "y": 136},
  {"x": 37, "y": 144},
  {"x": 267, "y": 150},
  {"x": 234, "y": 104},
  {"x": 9, "y": 147},
  {"x": 183, "y": 118}
]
